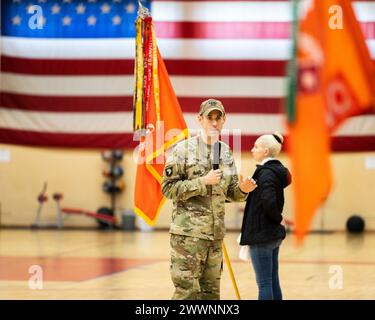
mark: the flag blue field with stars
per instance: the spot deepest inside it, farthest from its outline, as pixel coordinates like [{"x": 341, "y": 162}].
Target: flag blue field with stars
[{"x": 71, "y": 19}]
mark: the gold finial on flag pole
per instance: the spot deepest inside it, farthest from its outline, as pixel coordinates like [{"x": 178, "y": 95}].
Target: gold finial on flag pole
[{"x": 143, "y": 12}]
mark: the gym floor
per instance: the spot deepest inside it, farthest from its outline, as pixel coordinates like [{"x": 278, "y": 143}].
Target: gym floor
[{"x": 105, "y": 265}]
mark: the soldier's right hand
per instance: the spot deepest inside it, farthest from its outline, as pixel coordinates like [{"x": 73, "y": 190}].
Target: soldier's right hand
[{"x": 213, "y": 177}]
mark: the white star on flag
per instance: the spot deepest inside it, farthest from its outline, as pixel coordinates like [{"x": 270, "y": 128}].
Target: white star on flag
[
  {"x": 116, "y": 20},
  {"x": 105, "y": 8},
  {"x": 55, "y": 9},
  {"x": 80, "y": 9},
  {"x": 130, "y": 8},
  {"x": 91, "y": 21},
  {"x": 16, "y": 20},
  {"x": 28, "y": 7},
  {"x": 67, "y": 21}
]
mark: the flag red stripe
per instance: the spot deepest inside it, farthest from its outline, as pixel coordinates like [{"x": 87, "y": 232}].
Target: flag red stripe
[
  {"x": 236, "y": 105},
  {"x": 126, "y": 67},
  {"x": 235, "y": 30},
  {"x": 48, "y": 67},
  {"x": 44, "y": 139},
  {"x": 227, "y": 67},
  {"x": 353, "y": 143},
  {"x": 222, "y": 30},
  {"x": 66, "y": 104},
  {"x": 125, "y": 103},
  {"x": 66, "y": 66},
  {"x": 342, "y": 143}
]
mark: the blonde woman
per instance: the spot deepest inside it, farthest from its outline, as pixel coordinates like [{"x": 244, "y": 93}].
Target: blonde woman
[{"x": 261, "y": 228}]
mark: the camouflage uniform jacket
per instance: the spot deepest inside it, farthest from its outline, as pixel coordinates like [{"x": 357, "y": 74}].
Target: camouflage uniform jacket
[{"x": 198, "y": 210}]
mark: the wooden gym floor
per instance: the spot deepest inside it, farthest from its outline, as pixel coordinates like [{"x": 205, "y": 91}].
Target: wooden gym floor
[{"x": 135, "y": 265}]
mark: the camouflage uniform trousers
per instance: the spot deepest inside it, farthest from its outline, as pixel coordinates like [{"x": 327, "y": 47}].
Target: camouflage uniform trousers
[{"x": 196, "y": 267}]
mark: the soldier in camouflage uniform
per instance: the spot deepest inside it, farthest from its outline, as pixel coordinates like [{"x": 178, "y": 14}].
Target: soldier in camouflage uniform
[{"x": 199, "y": 194}]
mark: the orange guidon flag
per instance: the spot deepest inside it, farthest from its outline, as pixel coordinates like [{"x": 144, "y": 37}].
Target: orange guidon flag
[
  {"x": 331, "y": 78},
  {"x": 158, "y": 120}
]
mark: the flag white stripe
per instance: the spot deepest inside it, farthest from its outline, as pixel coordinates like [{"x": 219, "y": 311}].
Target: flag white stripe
[
  {"x": 365, "y": 11},
  {"x": 68, "y": 48},
  {"x": 241, "y": 11},
  {"x": 358, "y": 126},
  {"x": 68, "y": 85},
  {"x": 231, "y": 49},
  {"x": 65, "y": 122},
  {"x": 209, "y": 49},
  {"x": 202, "y": 49},
  {"x": 121, "y": 122},
  {"x": 267, "y": 87},
  {"x": 216, "y": 11},
  {"x": 371, "y": 47}
]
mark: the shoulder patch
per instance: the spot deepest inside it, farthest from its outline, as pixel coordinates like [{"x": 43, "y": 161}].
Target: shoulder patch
[{"x": 227, "y": 158}]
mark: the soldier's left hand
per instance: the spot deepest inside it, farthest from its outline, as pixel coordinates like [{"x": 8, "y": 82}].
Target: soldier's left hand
[{"x": 248, "y": 184}]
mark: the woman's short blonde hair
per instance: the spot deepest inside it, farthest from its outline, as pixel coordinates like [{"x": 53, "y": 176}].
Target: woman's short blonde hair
[{"x": 273, "y": 142}]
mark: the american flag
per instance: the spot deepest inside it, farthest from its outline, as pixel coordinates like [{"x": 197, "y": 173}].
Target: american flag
[{"x": 67, "y": 68}]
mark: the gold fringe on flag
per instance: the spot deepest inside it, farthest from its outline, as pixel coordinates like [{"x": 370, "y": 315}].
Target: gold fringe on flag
[
  {"x": 146, "y": 71},
  {"x": 155, "y": 75},
  {"x": 138, "y": 117}
]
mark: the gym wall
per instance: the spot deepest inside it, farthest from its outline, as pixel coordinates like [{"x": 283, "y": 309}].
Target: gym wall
[{"x": 78, "y": 175}]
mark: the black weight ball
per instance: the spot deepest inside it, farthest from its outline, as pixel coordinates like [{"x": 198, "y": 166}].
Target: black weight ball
[
  {"x": 105, "y": 225},
  {"x": 355, "y": 224},
  {"x": 117, "y": 154},
  {"x": 112, "y": 187},
  {"x": 116, "y": 172},
  {"x": 108, "y": 187}
]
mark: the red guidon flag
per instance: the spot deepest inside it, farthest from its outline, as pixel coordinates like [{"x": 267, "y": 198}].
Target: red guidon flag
[
  {"x": 332, "y": 78},
  {"x": 158, "y": 120}
]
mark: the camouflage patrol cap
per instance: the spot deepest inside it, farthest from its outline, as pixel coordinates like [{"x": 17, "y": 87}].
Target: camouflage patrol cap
[{"x": 209, "y": 105}]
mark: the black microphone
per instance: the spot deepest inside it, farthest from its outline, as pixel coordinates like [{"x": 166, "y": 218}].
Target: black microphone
[{"x": 216, "y": 158}]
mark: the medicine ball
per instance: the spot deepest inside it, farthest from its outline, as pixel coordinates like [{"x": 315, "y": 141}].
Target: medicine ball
[{"x": 355, "y": 224}]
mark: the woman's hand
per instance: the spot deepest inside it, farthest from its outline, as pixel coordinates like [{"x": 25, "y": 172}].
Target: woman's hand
[{"x": 248, "y": 184}]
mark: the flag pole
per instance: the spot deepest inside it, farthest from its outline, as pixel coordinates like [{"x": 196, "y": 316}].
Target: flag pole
[
  {"x": 292, "y": 67},
  {"x": 227, "y": 261}
]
